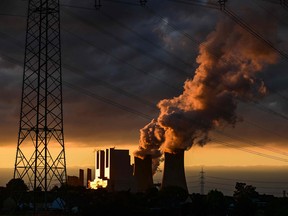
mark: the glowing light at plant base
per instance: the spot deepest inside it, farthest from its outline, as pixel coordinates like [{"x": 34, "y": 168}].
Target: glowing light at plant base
[{"x": 98, "y": 183}]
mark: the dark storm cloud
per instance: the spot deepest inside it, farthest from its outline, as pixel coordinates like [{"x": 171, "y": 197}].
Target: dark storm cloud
[
  {"x": 113, "y": 53},
  {"x": 9, "y": 109}
]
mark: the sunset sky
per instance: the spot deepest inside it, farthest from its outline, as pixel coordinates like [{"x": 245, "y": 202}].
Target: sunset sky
[{"x": 120, "y": 62}]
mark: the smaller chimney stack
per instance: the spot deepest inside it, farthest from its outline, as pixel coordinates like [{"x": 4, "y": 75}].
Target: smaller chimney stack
[
  {"x": 81, "y": 177},
  {"x": 89, "y": 176}
]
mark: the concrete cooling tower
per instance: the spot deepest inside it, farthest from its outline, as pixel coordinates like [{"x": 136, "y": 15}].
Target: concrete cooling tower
[
  {"x": 143, "y": 173},
  {"x": 174, "y": 173}
]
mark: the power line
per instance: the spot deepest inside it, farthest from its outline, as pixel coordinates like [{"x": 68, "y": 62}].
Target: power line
[
  {"x": 97, "y": 80},
  {"x": 107, "y": 101},
  {"x": 13, "y": 15},
  {"x": 271, "y": 132},
  {"x": 252, "y": 143},
  {"x": 239, "y": 22},
  {"x": 145, "y": 39},
  {"x": 125, "y": 62},
  {"x": 190, "y": 37},
  {"x": 246, "y": 180},
  {"x": 210, "y": 51},
  {"x": 269, "y": 13},
  {"x": 269, "y": 110},
  {"x": 250, "y": 151},
  {"x": 91, "y": 94},
  {"x": 121, "y": 91},
  {"x": 253, "y": 32},
  {"x": 146, "y": 116},
  {"x": 128, "y": 44},
  {"x": 123, "y": 2},
  {"x": 185, "y": 34},
  {"x": 196, "y": 3},
  {"x": 250, "y": 30},
  {"x": 283, "y": 3},
  {"x": 270, "y": 89},
  {"x": 217, "y": 183}
]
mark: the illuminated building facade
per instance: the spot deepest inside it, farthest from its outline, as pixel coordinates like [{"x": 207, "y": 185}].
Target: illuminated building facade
[{"x": 113, "y": 170}]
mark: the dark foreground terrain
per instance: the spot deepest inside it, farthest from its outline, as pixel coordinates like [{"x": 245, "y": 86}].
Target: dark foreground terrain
[{"x": 16, "y": 200}]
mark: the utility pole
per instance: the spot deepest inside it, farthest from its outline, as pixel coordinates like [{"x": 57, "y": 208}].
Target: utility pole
[
  {"x": 143, "y": 2},
  {"x": 222, "y": 4},
  {"x": 40, "y": 156},
  {"x": 202, "y": 181},
  {"x": 283, "y": 2},
  {"x": 98, "y": 4}
]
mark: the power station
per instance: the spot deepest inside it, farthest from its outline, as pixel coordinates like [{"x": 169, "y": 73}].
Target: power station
[
  {"x": 114, "y": 171},
  {"x": 40, "y": 156}
]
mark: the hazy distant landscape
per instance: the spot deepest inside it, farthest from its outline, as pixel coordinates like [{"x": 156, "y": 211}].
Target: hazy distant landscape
[{"x": 267, "y": 180}]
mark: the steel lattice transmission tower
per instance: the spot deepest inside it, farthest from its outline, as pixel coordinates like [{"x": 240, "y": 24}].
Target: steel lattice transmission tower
[
  {"x": 41, "y": 117},
  {"x": 202, "y": 181}
]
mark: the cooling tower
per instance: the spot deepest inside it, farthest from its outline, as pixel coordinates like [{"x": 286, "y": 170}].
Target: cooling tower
[
  {"x": 174, "y": 174},
  {"x": 143, "y": 173}
]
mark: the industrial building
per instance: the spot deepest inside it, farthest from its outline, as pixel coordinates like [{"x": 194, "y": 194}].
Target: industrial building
[
  {"x": 77, "y": 181},
  {"x": 89, "y": 177},
  {"x": 74, "y": 181},
  {"x": 113, "y": 170}
]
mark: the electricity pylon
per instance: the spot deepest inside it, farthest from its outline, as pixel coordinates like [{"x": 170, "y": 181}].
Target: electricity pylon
[
  {"x": 40, "y": 156},
  {"x": 202, "y": 181}
]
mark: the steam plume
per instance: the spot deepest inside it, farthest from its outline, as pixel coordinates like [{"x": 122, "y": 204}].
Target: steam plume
[
  {"x": 151, "y": 138},
  {"x": 227, "y": 72},
  {"x": 209, "y": 100}
]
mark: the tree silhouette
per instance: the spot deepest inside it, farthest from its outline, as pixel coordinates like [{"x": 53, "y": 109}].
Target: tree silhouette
[
  {"x": 245, "y": 197},
  {"x": 16, "y": 185},
  {"x": 216, "y": 203}
]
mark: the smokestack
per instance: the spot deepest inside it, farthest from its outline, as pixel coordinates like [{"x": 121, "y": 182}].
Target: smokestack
[
  {"x": 102, "y": 163},
  {"x": 89, "y": 176},
  {"x": 81, "y": 177},
  {"x": 143, "y": 173},
  {"x": 174, "y": 174}
]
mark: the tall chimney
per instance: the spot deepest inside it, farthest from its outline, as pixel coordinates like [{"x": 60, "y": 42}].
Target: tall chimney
[
  {"x": 143, "y": 173},
  {"x": 174, "y": 173},
  {"x": 89, "y": 176},
  {"x": 81, "y": 177}
]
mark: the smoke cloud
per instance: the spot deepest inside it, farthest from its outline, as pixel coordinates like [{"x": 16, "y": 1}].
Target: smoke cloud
[
  {"x": 151, "y": 139},
  {"x": 227, "y": 72},
  {"x": 229, "y": 61}
]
